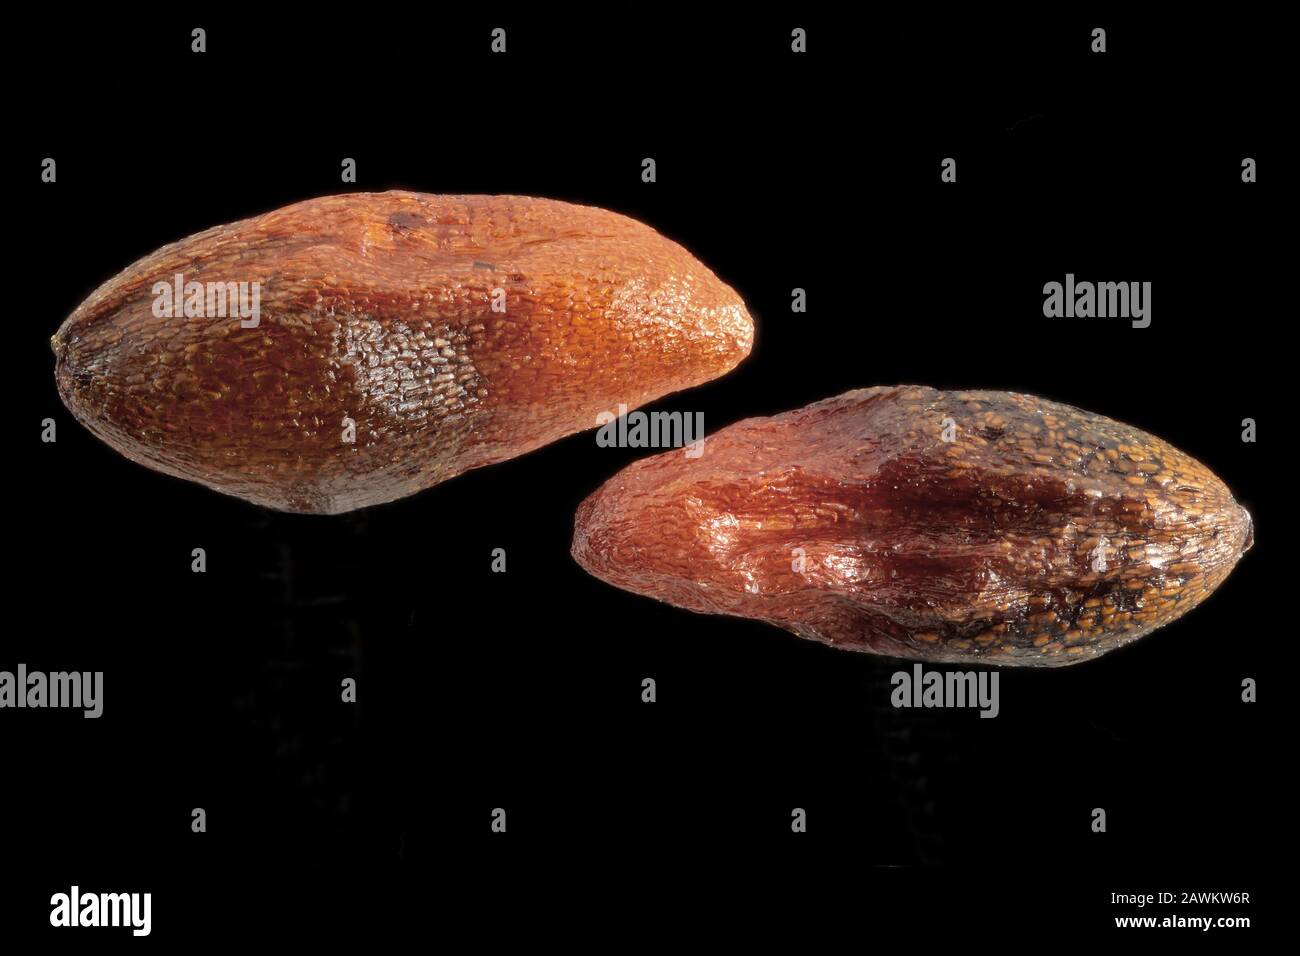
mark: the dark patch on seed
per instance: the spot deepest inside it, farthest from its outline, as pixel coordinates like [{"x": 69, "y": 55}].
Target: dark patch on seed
[{"x": 406, "y": 221}]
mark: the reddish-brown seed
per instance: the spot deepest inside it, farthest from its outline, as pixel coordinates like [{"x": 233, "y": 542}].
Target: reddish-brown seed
[
  {"x": 377, "y": 310},
  {"x": 938, "y": 526}
]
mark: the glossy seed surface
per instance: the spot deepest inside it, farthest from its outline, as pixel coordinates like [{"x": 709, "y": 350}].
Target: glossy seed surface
[
  {"x": 987, "y": 527},
  {"x": 403, "y": 338}
]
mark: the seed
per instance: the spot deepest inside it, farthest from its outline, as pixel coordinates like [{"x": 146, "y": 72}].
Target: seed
[
  {"x": 903, "y": 555},
  {"x": 452, "y": 332}
]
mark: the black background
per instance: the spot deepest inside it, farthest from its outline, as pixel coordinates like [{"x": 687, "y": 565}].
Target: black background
[{"x": 522, "y": 690}]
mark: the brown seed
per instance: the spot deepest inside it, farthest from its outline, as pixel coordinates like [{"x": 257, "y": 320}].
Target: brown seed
[
  {"x": 844, "y": 522},
  {"x": 377, "y": 324}
]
